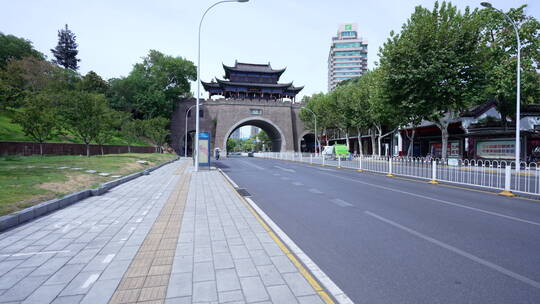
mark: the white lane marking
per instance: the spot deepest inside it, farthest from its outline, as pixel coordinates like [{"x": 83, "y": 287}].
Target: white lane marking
[
  {"x": 108, "y": 258},
  {"x": 144, "y": 213},
  {"x": 131, "y": 229},
  {"x": 276, "y": 174},
  {"x": 285, "y": 178},
  {"x": 252, "y": 165},
  {"x": 458, "y": 251},
  {"x": 91, "y": 279},
  {"x": 297, "y": 184},
  {"x": 324, "y": 169},
  {"x": 313, "y": 190},
  {"x": 138, "y": 220},
  {"x": 440, "y": 201},
  {"x": 340, "y": 202},
  {"x": 285, "y": 169},
  {"x": 332, "y": 288},
  {"x": 33, "y": 253}
]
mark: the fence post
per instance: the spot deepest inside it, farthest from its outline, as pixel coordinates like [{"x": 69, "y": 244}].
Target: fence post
[
  {"x": 339, "y": 162},
  {"x": 322, "y": 161},
  {"x": 300, "y": 156},
  {"x": 360, "y": 164},
  {"x": 389, "y": 174},
  {"x": 507, "y": 182},
  {"x": 311, "y": 159},
  {"x": 434, "y": 173}
]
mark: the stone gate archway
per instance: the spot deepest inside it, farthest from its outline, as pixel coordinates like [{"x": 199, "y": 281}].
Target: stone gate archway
[
  {"x": 280, "y": 120},
  {"x": 273, "y": 131}
]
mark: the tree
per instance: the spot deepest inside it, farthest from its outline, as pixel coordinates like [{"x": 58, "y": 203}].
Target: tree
[
  {"x": 131, "y": 130},
  {"x": 382, "y": 115},
  {"x": 233, "y": 144},
  {"x": 156, "y": 130},
  {"x": 24, "y": 77},
  {"x": 314, "y": 103},
  {"x": 83, "y": 114},
  {"x": 436, "y": 61},
  {"x": 109, "y": 125},
  {"x": 92, "y": 82},
  {"x": 263, "y": 140},
  {"x": 65, "y": 52},
  {"x": 153, "y": 86},
  {"x": 499, "y": 44},
  {"x": 38, "y": 119},
  {"x": 12, "y": 48}
]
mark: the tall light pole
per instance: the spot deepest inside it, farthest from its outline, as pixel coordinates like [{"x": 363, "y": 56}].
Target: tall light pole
[
  {"x": 317, "y": 143},
  {"x": 199, "y": 81},
  {"x": 185, "y": 138},
  {"x": 518, "y": 103}
]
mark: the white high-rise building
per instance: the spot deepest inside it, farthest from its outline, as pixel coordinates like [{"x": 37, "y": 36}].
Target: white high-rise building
[{"x": 348, "y": 55}]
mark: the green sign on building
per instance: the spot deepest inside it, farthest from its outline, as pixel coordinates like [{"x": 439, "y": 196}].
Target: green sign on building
[{"x": 348, "y": 27}]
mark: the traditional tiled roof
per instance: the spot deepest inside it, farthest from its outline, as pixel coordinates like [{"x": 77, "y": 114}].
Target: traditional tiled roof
[
  {"x": 254, "y": 84},
  {"x": 480, "y": 109},
  {"x": 252, "y": 67}
]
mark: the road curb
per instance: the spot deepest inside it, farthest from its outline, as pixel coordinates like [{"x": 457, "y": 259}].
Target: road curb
[
  {"x": 20, "y": 217},
  {"x": 331, "y": 292}
]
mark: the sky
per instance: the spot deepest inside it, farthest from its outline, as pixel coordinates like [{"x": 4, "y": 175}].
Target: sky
[{"x": 113, "y": 35}]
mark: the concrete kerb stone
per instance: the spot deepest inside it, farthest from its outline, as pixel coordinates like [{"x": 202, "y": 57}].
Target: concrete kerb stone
[{"x": 25, "y": 215}]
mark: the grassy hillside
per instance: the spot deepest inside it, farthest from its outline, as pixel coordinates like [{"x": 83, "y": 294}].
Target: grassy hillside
[{"x": 10, "y": 131}]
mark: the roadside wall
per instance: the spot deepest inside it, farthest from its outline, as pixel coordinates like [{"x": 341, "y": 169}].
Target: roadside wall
[{"x": 30, "y": 148}]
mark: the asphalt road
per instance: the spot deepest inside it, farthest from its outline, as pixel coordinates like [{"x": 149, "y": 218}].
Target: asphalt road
[{"x": 391, "y": 240}]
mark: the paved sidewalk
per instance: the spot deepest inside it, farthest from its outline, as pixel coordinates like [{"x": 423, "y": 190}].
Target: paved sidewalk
[{"x": 174, "y": 236}]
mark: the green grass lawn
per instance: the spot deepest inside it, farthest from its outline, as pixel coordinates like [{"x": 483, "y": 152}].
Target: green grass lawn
[
  {"x": 24, "y": 182},
  {"x": 10, "y": 131}
]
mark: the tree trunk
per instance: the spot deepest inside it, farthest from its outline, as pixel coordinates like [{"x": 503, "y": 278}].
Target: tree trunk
[
  {"x": 410, "y": 149},
  {"x": 444, "y": 135},
  {"x": 129, "y": 148},
  {"x": 87, "y": 150},
  {"x": 443, "y": 126},
  {"x": 41, "y": 148},
  {"x": 101, "y": 147},
  {"x": 373, "y": 142},
  {"x": 360, "y": 148},
  {"x": 347, "y": 141}
]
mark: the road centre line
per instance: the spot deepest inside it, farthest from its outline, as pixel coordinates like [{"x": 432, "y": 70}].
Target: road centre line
[
  {"x": 313, "y": 190},
  {"x": 285, "y": 169},
  {"x": 439, "y": 200},
  {"x": 340, "y": 202},
  {"x": 458, "y": 251},
  {"x": 252, "y": 165}
]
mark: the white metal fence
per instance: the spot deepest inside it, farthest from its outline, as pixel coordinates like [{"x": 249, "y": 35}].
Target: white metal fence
[{"x": 502, "y": 175}]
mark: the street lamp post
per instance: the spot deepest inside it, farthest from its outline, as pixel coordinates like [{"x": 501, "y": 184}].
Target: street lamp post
[
  {"x": 199, "y": 81},
  {"x": 518, "y": 92},
  {"x": 185, "y": 138},
  {"x": 317, "y": 143}
]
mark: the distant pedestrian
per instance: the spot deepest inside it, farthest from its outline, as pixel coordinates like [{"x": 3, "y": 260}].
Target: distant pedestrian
[{"x": 216, "y": 153}]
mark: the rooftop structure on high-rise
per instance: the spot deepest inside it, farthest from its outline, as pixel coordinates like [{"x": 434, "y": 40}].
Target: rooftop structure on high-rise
[
  {"x": 251, "y": 81},
  {"x": 348, "y": 55}
]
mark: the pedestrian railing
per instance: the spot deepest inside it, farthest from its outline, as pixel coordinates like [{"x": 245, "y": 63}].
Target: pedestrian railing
[{"x": 499, "y": 175}]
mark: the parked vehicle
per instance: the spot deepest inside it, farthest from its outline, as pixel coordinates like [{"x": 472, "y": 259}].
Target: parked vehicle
[{"x": 335, "y": 151}]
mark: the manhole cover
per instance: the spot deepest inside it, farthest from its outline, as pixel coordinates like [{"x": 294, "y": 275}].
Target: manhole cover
[{"x": 243, "y": 192}]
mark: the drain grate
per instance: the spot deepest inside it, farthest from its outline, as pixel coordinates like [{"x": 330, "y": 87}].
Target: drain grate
[{"x": 243, "y": 192}]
